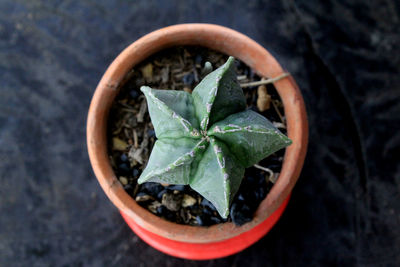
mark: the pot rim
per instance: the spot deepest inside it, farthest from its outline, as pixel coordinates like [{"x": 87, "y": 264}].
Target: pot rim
[{"x": 229, "y": 42}]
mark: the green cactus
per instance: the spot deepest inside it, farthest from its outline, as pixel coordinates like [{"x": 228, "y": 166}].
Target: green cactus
[{"x": 206, "y": 139}]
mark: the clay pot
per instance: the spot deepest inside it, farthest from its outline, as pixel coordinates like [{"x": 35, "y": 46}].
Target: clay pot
[{"x": 185, "y": 241}]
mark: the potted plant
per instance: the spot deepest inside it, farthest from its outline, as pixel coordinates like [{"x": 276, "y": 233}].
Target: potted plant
[{"x": 186, "y": 241}]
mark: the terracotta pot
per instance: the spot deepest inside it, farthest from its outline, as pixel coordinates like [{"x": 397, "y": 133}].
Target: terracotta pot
[{"x": 190, "y": 241}]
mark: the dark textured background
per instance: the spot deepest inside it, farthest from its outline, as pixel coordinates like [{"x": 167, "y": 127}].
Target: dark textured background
[{"x": 345, "y": 56}]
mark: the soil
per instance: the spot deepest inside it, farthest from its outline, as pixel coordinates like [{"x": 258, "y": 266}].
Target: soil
[{"x": 131, "y": 137}]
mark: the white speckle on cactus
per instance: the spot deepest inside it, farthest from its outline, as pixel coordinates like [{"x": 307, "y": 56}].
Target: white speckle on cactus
[
  {"x": 237, "y": 128},
  {"x": 178, "y": 162},
  {"x": 226, "y": 176},
  {"x": 234, "y": 126},
  {"x": 213, "y": 91},
  {"x": 221, "y": 162},
  {"x": 204, "y": 122},
  {"x": 217, "y": 149},
  {"x": 195, "y": 132},
  {"x": 208, "y": 107},
  {"x": 185, "y": 124},
  {"x": 226, "y": 193}
]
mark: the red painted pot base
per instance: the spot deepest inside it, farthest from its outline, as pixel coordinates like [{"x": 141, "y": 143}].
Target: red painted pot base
[{"x": 207, "y": 251}]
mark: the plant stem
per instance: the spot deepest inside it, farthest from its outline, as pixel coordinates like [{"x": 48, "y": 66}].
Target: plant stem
[
  {"x": 268, "y": 81},
  {"x": 270, "y": 172},
  {"x": 278, "y": 112}
]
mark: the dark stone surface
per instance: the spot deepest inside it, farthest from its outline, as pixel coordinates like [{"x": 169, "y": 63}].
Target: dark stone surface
[{"x": 345, "y": 56}]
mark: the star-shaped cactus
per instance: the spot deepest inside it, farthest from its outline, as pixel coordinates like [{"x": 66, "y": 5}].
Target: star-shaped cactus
[{"x": 206, "y": 139}]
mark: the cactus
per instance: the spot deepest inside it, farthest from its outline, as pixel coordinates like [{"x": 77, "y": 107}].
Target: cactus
[{"x": 206, "y": 139}]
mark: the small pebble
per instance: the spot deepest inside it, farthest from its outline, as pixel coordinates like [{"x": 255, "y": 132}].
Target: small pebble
[
  {"x": 164, "y": 75},
  {"x": 240, "y": 197},
  {"x": 123, "y": 180},
  {"x": 134, "y": 94},
  {"x": 119, "y": 144},
  {"x": 207, "y": 211},
  {"x": 164, "y": 212},
  {"x": 124, "y": 169},
  {"x": 259, "y": 193},
  {"x": 215, "y": 220},
  {"x": 188, "y": 201},
  {"x": 187, "y": 89},
  {"x": 198, "y": 60},
  {"x": 147, "y": 71},
  {"x": 196, "y": 209},
  {"x": 188, "y": 79},
  {"x": 153, "y": 206},
  {"x": 185, "y": 215},
  {"x": 143, "y": 198},
  {"x": 151, "y": 188},
  {"x": 240, "y": 214},
  {"x": 124, "y": 157},
  {"x": 151, "y": 133},
  {"x": 161, "y": 193},
  {"x": 199, "y": 220},
  {"x": 207, "y": 204},
  {"x": 176, "y": 187},
  {"x": 172, "y": 202},
  {"x": 160, "y": 210},
  {"x": 264, "y": 99},
  {"x": 135, "y": 172}
]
